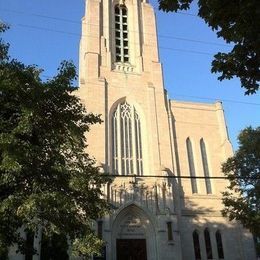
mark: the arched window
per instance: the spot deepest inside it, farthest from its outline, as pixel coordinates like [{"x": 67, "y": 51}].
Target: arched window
[
  {"x": 208, "y": 244},
  {"x": 191, "y": 166},
  {"x": 196, "y": 245},
  {"x": 205, "y": 166},
  {"x": 126, "y": 141},
  {"x": 121, "y": 34},
  {"x": 219, "y": 245}
]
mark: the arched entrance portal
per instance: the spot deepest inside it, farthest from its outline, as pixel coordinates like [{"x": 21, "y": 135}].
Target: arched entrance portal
[{"x": 133, "y": 235}]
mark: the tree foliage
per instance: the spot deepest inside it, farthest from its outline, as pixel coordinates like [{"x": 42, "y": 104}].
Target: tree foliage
[
  {"x": 242, "y": 199},
  {"x": 237, "y": 22},
  {"x": 47, "y": 180}
]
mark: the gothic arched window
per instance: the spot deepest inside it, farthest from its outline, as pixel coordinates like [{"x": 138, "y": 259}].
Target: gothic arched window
[
  {"x": 196, "y": 245},
  {"x": 208, "y": 244},
  {"x": 191, "y": 166},
  {"x": 219, "y": 245},
  {"x": 121, "y": 34},
  {"x": 126, "y": 141},
  {"x": 205, "y": 166}
]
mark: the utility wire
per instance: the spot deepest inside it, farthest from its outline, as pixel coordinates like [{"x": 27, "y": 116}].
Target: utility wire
[
  {"x": 225, "y": 100},
  {"x": 180, "y": 177},
  {"x": 68, "y": 20},
  {"x": 76, "y": 34},
  {"x": 134, "y": 31},
  {"x": 161, "y": 47},
  {"x": 183, "y": 95}
]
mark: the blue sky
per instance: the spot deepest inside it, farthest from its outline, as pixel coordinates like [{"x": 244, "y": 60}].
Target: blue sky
[{"x": 45, "y": 32}]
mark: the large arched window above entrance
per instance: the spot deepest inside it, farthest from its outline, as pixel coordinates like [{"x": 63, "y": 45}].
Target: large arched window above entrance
[
  {"x": 121, "y": 34},
  {"x": 126, "y": 141}
]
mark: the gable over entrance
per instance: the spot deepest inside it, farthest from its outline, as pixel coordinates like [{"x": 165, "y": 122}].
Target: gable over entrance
[{"x": 133, "y": 231}]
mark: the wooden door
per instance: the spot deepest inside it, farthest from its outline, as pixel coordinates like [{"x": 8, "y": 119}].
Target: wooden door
[{"x": 131, "y": 249}]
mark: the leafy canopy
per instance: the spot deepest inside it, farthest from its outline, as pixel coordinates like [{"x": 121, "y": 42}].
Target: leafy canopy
[
  {"x": 242, "y": 199},
  {"x": 237, "y": 22},
  {"x": 47, "y": 179}
]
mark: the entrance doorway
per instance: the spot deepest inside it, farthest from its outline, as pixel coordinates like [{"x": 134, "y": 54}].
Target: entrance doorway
[{"x": 131, "y": 249}]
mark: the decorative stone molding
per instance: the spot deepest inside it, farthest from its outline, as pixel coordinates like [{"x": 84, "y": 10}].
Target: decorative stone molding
[
  {"x": 123, "y": 67},
  {"x": 156, "y": 197}
]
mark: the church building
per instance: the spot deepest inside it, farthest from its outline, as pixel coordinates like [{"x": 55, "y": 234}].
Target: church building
[{"x": 164, "y": 154}]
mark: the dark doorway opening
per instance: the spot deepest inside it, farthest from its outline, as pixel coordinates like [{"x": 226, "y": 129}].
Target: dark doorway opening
[{"x": 131, "y": 249}]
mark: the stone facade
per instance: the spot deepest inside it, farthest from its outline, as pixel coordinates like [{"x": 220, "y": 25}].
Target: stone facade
[
  {"x": 153, "y": 145},
  {"x": 178, "y": 139}
]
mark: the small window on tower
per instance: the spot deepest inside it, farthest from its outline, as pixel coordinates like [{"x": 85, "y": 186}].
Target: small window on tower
[
  {"x": 121, "y": 34},
  {"x": 169, "y": 229},
  {"x": 117, "y": 10},
  {"x": 124, "y": 12},
  {"x": 118, "y": 34}
]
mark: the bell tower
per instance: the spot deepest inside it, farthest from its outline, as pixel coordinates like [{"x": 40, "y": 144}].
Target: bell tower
[
  {"x": 165, "y": 156},
  {"x": 121, "y": 79},
  {"x": 118, "y": 35},
  {"x": 119, "y": 63}
]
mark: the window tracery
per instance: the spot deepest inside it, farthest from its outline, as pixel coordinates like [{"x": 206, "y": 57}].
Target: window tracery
[{"x": 126, "y": 141}]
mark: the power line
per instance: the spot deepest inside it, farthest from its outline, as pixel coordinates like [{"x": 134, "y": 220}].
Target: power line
[
  {"x": 184, "y": 50},
  {"x": 182, "y": 95},
  {"x": 110, "y": 27},
  {"x": 41, "y": 16},
  {"x": 225, "y": 100},
  {"x": 179, "y": 177},
  {"x": 76, "y": 34},
  {"x": 193, "y": 40},
  {"x": 73, "y": 21}
]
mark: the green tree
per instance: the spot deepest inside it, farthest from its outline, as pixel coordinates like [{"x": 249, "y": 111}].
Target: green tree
[
  {"x": 47, "y": 180},
  {"x": 242, "y": 199},
  {"x": 238, "y": 23}
]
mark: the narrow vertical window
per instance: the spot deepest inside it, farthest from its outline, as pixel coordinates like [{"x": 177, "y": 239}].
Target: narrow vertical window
[
  {"x": 196, "y": 245},
  {"x": 100, "y": 229},
  {"x": 115, "y": 141},
  {"x": 208, "y": 244},
  {"x": 169, "y": 229},
  {"x": 205, "y": 166},
  {"x": 191, "y": 166},
  {"x": 219, "y": 245},
  {"x": 121, "y": 34},
  {"x": 138, "y": 142},
  {"x": 29, "y": 245},
  {"x": 126, "y": 141}
]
